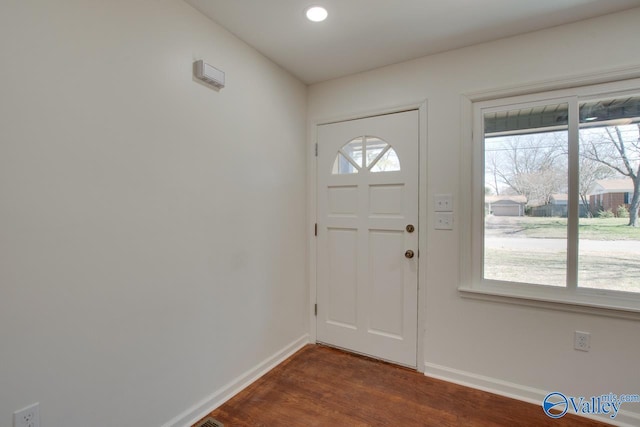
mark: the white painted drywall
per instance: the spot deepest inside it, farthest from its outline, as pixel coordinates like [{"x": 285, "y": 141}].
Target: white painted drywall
[
  {"x": 521, "y": 345},
  {"x": 152, "y": 230}
]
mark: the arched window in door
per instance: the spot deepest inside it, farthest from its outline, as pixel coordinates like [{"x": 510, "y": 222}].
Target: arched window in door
[{"x": 366, "y": 153}]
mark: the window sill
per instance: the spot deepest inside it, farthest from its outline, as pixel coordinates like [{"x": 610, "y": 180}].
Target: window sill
[{"x": 585, "y": 301}]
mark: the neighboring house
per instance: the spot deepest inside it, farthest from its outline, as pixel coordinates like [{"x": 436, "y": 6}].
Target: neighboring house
[
  {"x": 505, "y": 205},
  {"x": 608, "y": 194}
]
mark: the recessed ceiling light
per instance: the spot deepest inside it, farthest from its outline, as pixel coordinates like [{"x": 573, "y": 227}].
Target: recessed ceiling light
[{"x": 316, "y": 13}]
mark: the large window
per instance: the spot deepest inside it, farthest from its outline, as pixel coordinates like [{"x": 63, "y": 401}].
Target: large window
[
  {"x": 557, "y": 190},
  {"x": 525, "y": 166}
]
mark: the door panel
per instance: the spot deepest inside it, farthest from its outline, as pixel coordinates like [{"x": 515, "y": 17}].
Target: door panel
[
  {"x": 386, "y": 200},
  {"x": 367, "y": 195},
  {"x": 386, "y": 301},
  {"x": 343, "y": 200},
  {"x": 343, "y": 276}
]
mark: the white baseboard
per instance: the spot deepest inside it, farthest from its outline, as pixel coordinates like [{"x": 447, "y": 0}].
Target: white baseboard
[
  {"x": 515, "y": 391},
  {"x": 201, "y": 409}
]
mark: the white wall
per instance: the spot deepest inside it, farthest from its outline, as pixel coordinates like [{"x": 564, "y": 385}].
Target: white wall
[
  {"x": 152, "y": 230},
  {"x": 523, "y": 346}
]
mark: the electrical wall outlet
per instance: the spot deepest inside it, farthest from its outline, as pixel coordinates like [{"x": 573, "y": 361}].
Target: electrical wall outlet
[
  {"x": 27, "y": 417},
  {"x": 582, "y": 341}
]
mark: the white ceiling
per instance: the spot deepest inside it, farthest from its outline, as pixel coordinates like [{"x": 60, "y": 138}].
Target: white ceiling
[{"x": 361, "y": 35}]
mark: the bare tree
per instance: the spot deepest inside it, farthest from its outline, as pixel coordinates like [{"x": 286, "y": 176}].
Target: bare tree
[
  {"x": 590, "y": 172},
  {"x": 529, "y": 165},
  {"x": 492, "y": 165},
  {"x": 619, "y": 151}
]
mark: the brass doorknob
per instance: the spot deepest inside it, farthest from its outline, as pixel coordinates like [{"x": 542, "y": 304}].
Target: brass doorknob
[{"x": 409, "y": 254}]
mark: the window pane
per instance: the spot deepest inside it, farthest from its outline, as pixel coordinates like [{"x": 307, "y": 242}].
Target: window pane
[
  {"x": 354, "y": 150},
  {"x": 389, "y": 162},
  {"x": 375, "y": 146},
  {"x": 526, "y": 184},
  {"x": 609, "y": 249},
  {"x": 343, "y": 166}
]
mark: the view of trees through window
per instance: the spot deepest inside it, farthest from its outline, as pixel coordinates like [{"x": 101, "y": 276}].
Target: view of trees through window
[{"x": 526, "y": 173}]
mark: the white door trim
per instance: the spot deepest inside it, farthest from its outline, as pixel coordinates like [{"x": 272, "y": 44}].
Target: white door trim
[{"x": 312, "y": 182}]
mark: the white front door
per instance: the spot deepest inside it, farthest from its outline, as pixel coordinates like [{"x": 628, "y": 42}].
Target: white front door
[{"x": 367, "y": 292}]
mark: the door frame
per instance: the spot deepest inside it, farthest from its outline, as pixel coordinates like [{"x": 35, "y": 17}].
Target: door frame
[{"x": 312, "y": 183}]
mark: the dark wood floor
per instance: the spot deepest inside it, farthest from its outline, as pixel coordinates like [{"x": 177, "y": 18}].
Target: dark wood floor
[{"x": 321, "y": 386}]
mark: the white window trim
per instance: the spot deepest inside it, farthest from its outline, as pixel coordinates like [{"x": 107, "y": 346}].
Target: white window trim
[{"x": 571, "y": 298}]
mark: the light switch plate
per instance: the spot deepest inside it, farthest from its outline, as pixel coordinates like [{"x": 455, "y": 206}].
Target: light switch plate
[
  {"x": 443, "y": 202},
  {"x": 443, "y": 221}
]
